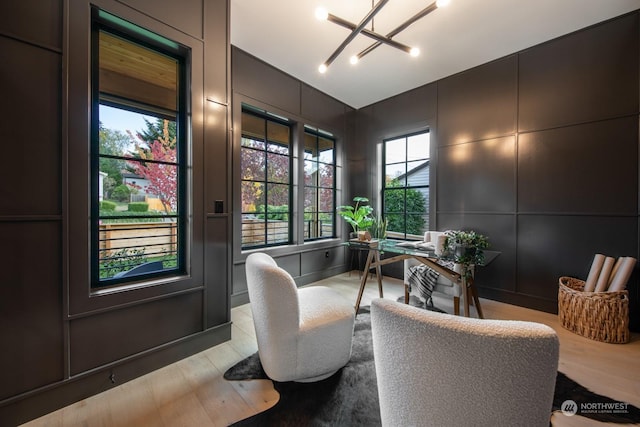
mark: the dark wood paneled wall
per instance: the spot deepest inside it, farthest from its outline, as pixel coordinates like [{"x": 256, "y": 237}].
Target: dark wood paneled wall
[
  {"x": 538, "y": 150},
  {"x": 61, "y": 343},
  {"x": 261, "y": 85}
]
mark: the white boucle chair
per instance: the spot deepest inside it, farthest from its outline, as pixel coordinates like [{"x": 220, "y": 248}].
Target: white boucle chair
[
  {"x": 303, "y": 334},
  {"x": 443, "y": 285},
  {"x": 437, "y": 369}
]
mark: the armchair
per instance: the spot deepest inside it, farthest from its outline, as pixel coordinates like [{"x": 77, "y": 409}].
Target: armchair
[
  {"x": 443, "y": 370},
  {"x": 303, "y": 334}
]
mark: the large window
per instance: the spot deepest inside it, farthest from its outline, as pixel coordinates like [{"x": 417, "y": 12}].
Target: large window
[
  {"x": 406, "y": 185},
  {"x": 319, "y": 184},
  {"x": 138, "y": 153},
  {"x": 265, "y": 164}
]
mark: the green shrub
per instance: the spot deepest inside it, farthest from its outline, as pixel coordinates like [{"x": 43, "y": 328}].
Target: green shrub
[
  {"x": 138, "y": 207},
  {"x": 121, "y": 193},
  {"x": 106, "y": 205},
  {"x": 276, "y": 213},
  {"x": 127, "y": 216}
]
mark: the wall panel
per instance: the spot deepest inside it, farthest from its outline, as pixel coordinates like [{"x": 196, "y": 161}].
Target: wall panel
[
  {"x": 30, "y": 306},
  {"x": 44, "y": 18},
  {"x": 32, "y": 170},
  {"x": 590, "y": 168},
  {"x": 185, "y": 15},
  {"x": 260, "y": 81},
  {"x": 477, "y": 176},
  {"x": 479, "y": 103},
  {"x": 588, "y": 75},
  {"x": 217, "y": 270},
  {"x": 113, "y": 335},
  {"x": 564, "y": 245}
]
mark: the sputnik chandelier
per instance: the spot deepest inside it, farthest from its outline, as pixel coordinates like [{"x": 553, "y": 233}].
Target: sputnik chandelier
[{"x": 356, "y": 29}]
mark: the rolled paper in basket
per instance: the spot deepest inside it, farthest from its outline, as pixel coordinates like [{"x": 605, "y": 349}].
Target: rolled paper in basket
[
  {"x": 603, "y": 279},
  {"x": 621, "y": 278},
  {"x": 616, "y": 267},
  {"x": 594, "y": 273}
]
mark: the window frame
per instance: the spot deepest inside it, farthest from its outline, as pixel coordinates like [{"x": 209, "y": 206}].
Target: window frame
[
  {"x": 280, "y": 120},
  {"x": 104, "y": 21},
  {"x": 318, "y": 133},
  {"x": 427, "y": 211}
]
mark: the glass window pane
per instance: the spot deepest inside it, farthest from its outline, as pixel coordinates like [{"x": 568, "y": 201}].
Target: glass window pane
[
  {"x": 310, "y": 147},
  {"x": 310, "y": 199},
  {"x": 277, "y": 168},
  {"x": 252, "y": 164},
  {"x": 395, "y": 151},
  {"x": 253, "y": 197},
  {"x": 253, "y": 231},
  {"x": 394, "y": 201},
  {"x": 326, "y": 200},
  {"x": 278, "y": 134},
  {"x": 417, "y": 173},
  {"x": 253, "y": 143},
  {"x": 395, "y": 222},
  {"x": 395, "y": 175},
  {"x": 325, "y": 175},
  {"x": 418, "y": 146},
  {"x": 131, "y": 71},
  {"x": 310, "y": 173},
  {"x": 278, "y": 196},
  {"x": 253, "y": 127},
  {"x": 326, "y": 148}
]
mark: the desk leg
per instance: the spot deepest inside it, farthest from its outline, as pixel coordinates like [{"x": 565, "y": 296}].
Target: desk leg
[
  {"x": 363, "y": 281},
  {"x": 465, "y": 293},
  {"x": 379, "y": 273},
  {"x": 476, "y": 299}
]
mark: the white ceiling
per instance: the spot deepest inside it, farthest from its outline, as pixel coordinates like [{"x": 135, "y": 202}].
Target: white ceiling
[{"x": 462, "y": 35}]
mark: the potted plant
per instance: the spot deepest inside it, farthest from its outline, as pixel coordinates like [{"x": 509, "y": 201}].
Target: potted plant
[
  {"x": 465, "y": 247},
  {"x": 378, "y": 228},
  {"x": 357, "y": 216}
]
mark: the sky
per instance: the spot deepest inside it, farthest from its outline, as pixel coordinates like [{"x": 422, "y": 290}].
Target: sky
[{"x": 122, "y": 120}]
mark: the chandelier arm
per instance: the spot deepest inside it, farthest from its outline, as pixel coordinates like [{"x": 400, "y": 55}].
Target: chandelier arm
[
  {"x": 378, "y": 37},
  {"x": 356, "y": 31},
  {"x": 424, "y": 12}
]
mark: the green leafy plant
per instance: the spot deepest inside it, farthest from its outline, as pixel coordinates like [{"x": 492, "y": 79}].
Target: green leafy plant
[
  {"x": 357, "y": 216},
  {"x": 465, "y": 247}
]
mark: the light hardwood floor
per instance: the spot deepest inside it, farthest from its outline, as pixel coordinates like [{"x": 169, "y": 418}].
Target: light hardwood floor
[{"x": 192, "y": 392}]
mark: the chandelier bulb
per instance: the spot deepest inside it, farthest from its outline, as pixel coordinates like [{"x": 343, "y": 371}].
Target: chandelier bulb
[{"x": 322, "y": 14}]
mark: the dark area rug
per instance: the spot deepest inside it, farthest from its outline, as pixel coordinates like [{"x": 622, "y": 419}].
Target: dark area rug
[{"x": 350, "y": 396}]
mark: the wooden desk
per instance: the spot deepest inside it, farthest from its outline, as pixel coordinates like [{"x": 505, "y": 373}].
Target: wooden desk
[{"x": 469, "y": 289}]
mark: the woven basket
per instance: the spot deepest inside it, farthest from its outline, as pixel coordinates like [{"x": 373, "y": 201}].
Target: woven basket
[{"x": 600, "y": 316}]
